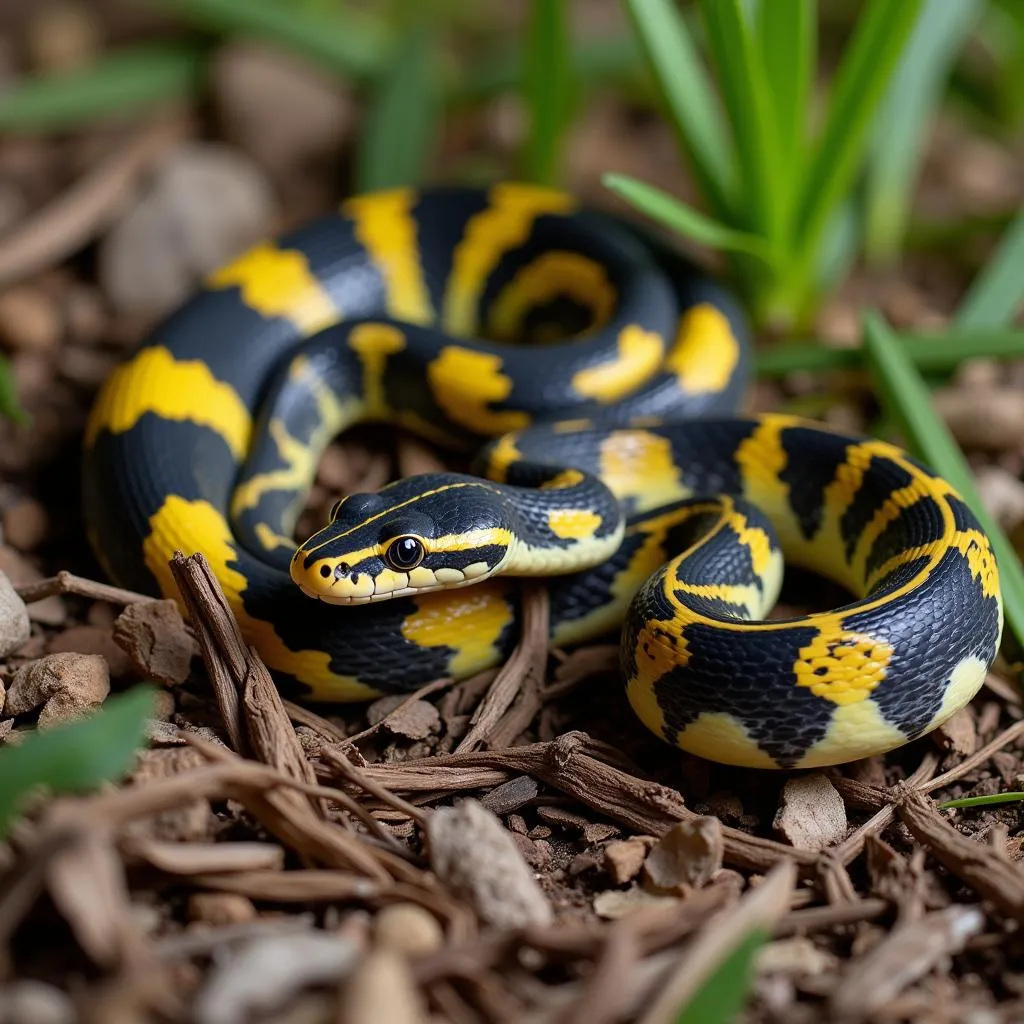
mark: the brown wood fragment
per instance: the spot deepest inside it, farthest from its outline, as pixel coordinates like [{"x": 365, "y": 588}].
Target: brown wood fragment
[
  {"x": 976, "y": 865},
  {"x": 290, "y": 886},
  {"x": 204, "y": 858}
]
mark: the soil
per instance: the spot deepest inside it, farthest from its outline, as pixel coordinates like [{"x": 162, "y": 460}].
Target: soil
[{"x": 517, "y": 847}]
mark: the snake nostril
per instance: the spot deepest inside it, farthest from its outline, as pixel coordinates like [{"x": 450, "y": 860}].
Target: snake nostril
[
  {"x": 341, "y": 570},
  {"x": 325, "y": 571}
]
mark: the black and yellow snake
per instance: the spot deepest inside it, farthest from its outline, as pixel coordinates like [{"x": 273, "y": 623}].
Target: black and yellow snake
[{"x": 615, "y": 466}]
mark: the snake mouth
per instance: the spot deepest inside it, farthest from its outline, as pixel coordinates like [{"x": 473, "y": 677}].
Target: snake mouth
[{"x": 337, "y": 599}]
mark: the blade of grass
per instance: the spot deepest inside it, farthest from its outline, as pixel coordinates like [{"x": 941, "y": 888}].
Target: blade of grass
[
  {"x": 744, "y": 88},
  {"x": 905, "y": 116},
  {"x": 399, "y": 128},
  {"x": 546, "y": 87},
  {"x": 672, "y": 213},
  {"x": 131, "y": 79},
  {"x": 76, "y": 756},
  {"x": 725, "y": 992},
  {"x": 930, "y": 353},
  {"x": 859, "y": 85},
  {"x": 982, "y": 801},
  {"x": 350, "y": 42},
  {"x": 906, "y": 397},
  {"x": 787, "y": 36},
  {"x": 689, "y": 99},
  {"x": 995, "y": 296},
  {"x": 10, "y": 403}
]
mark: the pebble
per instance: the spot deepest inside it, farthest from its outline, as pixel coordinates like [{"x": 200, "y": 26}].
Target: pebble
[
  {"x": 63, "y": 686},
  {"x": 986, "y": 419},
  {"x": 473, "y": 855},
  {"x": 29, "y": 320},
  {"x": 93, "y": 640},
  {"x": 812, "y": 815},
  {"x": 15, "y": 627},
  {"x": 220, "y": 908},
  {"x": 154, "y": 636},
  {"x": 33, "y": 1002},
  {"x": 205, "y": 205},
  {"x": 408, "y": 929},
  {"x": 280, "y": 110},
  {"x": 1002, "y": 494},
  {"x": 624, "y": 860},
  {"x": 25, "y": 524},
  {"x": 61, "y": 37},
  {"x": 382, "y": 989},
  {"x": 688, "y": 854}
]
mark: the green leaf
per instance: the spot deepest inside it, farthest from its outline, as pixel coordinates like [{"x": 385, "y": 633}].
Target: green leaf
[
  {"x": 724, "y": 993},
  {"x": 688, "y": 97},
  {"x": 350, "y": 42},
  {"x": 77, "y": 756},
  {"x": 546, "y": 87},
  {"x": 745, "y": 91},
  {"x": 995, "y": 296},
  {"x": 10, "y": 403},
  {"x": 131, "y": 79},
  {"x": 907, "y": 399},
  {"x": 787, "y": 35},
  {"x": 905, "y": 117},
  {"x": 672, "y": 213},
  {"x": 930, "y": 353},
  {"x": 982, "y": 801},
  {"x": 857, "y": 89},
  {"x": 399, "y": 128}
]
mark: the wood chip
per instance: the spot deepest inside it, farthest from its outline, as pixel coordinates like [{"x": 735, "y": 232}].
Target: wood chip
[
  {"x": 624, "y": 860},
  {"x": 511, "y": 795},
  {"x": 908, "y": 952},
  {"x": 477, "y": 859},
  {"x": 688, "y": 854},
  {"x": 154, "y": 636},
  {"x": 812, "y": 815},
  {"x": 204, "y": 858},
  {"x": 615, "y": 904},
  {"x": 415, "y": 720}
]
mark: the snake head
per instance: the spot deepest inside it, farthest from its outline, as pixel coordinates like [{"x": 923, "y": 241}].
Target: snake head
[{"x": 434, "y": 531}]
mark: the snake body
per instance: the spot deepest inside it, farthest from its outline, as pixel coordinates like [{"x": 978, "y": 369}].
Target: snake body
[{"x": 613, "y": 464}]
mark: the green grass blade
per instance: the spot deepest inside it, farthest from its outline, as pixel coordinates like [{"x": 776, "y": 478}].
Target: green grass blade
[
  {"x": 930, "y": 353},
  {"x": 690, "y": 102},
  {"x": 905, "y": 116},
  {"x": 859, "y": 85},
  {"x": 350, "y": 42},
  {"x": 995, "y": 296},
  {"x": 399, "y": 127},
  {"x": 76, "y": 756},
  {"x": 787, "y": 37},
  {"x": 130, "y": 80},
  {"x": 10, "y": 403},
  {"x": 725, "y": 992},
  {"x": 907, "y": 399},
  {"x": 669, "y": 211},
  {"x": 744, "y": 88},
  {"x": 546, "y": 87},
  {"x": 982, "y": 801}
]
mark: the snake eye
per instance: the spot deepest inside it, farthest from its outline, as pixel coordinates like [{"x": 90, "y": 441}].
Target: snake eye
[{"x": 404, "y": 553}]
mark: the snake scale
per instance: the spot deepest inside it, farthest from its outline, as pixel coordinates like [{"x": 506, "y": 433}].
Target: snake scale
[{"x": 596, "y": 373}]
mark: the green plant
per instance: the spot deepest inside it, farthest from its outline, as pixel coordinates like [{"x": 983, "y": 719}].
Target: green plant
[
  {"x": 77, "y": 756},
  {"x": 726, "y": 989},
  {"x": 776, "y": 195},
  {"x": 990, "y": 800}
]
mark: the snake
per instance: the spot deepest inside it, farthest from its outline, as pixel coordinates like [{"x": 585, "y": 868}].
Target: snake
[{"x": 592, "y": 378}]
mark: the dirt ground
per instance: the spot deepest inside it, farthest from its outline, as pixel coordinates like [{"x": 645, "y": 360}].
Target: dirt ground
[{"x": 517, "y": 847}]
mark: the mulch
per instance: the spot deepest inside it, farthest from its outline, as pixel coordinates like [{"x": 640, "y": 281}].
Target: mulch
[{"x": 514, "y": 847}]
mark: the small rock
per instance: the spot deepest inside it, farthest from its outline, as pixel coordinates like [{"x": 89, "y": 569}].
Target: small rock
[
  {"x": 25, "y": 524},
  {"x": 416, "y": 721},
  {"x": 92, "y": 640},
  {"x": 689, "y": 854},
  {"x": 155, "y": 638},
  {"x": 382, "y": 989},
  {"x": 581, "y": 863},
  {"x": 32, "y": 1002},
  {"x": 797, "y": 956},
  {"x": 812, "y": 815},
  {"x": 283, "y": 112},
  {"x": 986, "y": 420},
  {"x": 615, "y": 904},
  {"x": 205, "y": 205},
  {"x": 50, "y": 611},
  {"x": 86, "y": 367},
  {"x": 220, "y": 908},
  {"x": 15, "y": 627},
  {"x": 478, "y": 860},
  {"x": 978, "y": 373},
  {"x": 29, "y": 320},
  {"x": 624, "y": 860},
  {"x": 535, "y": 852},
  {"x": 1002, "y": 494},
  {"x": 64, "y": 686},
  {"x": 408, "y": 929},
  {"x": 61, "y": 37}
]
